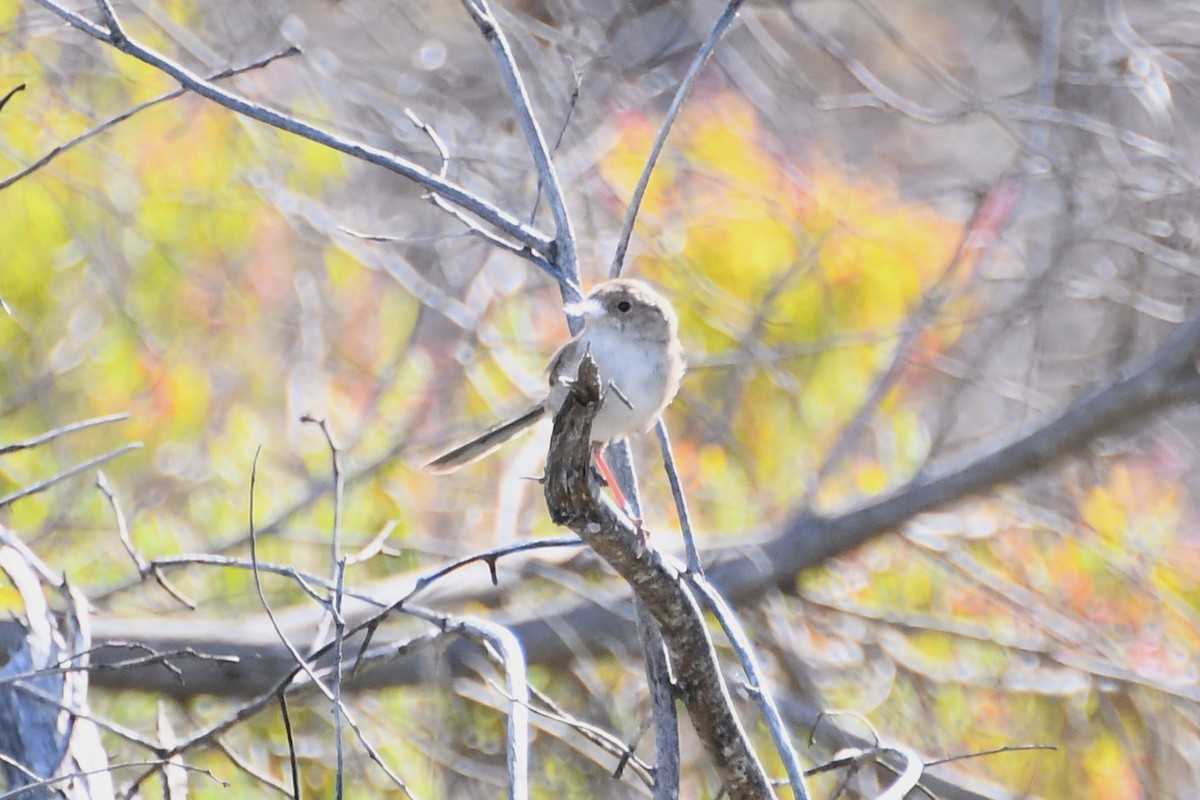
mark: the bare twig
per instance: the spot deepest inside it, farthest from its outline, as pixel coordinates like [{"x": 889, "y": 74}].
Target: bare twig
[
  {"x": 74, "y": 776},
  {"x": 681, "y": 94},
  {"x": 140, "y": 107},
  {"x": 152, "y": 657},
  {"x": 339, "y": 487},
  {"x": 51, "y": 435},
  {"x": 70, "y": 473},
  {"x": 301, "y": 662},
  {"x": 20, "y": 87},
  {"x": 122, "y": 529},
  {"x": 334, "y": 605},
  {"x": 685, "y": 520},
  {"x": 115, "y": 31},
  {"x": 143, "y": 567},
  {"x": 287, "y": 729},
  {"x": 490, "y": 557},
  {"x": 576, "y": 85},
  {"x": 339, "y": 640},
  {"x": 305, "y": 580},
  {"x": 497, "y": 241},
  {"x": 598, "y": 736},
  {"x": 472, "y": 202},
  {"x": 564, "y": 254},
  {"x": 373, "y": 547},
  {"x": 304, "y": 664},
  {"x": 744, "y": 649},
  {"x": 1008, "y": 748},
  {"x": 667, "y": 761},
  {"x": 506, "y": 649},
  {"x": 245, "y": 766},
  {"x": 174, "y": 775}
]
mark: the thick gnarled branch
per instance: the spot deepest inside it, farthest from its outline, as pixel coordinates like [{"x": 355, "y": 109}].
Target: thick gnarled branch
[{"x": 574, "y": 500}]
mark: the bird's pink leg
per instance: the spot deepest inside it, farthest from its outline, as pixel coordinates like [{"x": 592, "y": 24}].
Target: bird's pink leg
[{"x": 611, "y": 480}]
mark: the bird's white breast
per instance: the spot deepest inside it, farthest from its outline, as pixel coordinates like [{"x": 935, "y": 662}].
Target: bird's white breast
[{"x": 638, "y": 371}]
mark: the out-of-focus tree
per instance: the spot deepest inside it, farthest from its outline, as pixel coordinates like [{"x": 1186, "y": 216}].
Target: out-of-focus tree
[{"x": 935, "y": 266}]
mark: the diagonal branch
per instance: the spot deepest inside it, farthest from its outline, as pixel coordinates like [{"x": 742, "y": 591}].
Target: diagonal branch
[
  {"x": 50, "y": 436},
  {"x": 140, "y": 107},
  {"x": 564, "y": 254},
  {"x": 1167, "y": 377},
  {"x": 574, "y": 500},
  {"x": 483, "y": 209},
  {"x": 681, "y": 94}
]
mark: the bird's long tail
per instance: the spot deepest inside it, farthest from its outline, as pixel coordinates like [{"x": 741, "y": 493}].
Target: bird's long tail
[{"x": 486, "y": 442}]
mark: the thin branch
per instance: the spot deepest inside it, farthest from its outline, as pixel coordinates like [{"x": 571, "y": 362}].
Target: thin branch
[
  {"x": 744, "y": 649},
  {"x": 506, "y": 649},
  {"x": 564, "y": 254},
  {"x": 490, "y": 557},
  {"x": 1008, "y": 748},
  {"x": 140, "y": 107},
  {"x": 305, "y": 580},
  {"x": 301, "y": 662},
  {"x": 245, "y": 766},
  {"x": 339, "y": 487},
  {"x": 495, "y": 240},
  {"x": 681, "y": 94},
  {"x": 139, "y": 561},
  {"x": 73, "y": 776},
  {"x": 375, "y": 546},
  {"x": 685, "y": 520},
  {"x": 601, "y": 738},
  {"x": 667, "y": 761},
  {"x": 116, "y": 32},
  {"x": 68, "y": 664},
  {"x": 71, "y": 473},
  {"x": 339, "y": 640},
  {"x": 485, "y": 210},
  {"x": 20, "y": 87},
  {"x": 50, "y": 436},
  {"x": 576, "y": 85},
  {"x": 287, "y": 729},
  {"x": 334, "y": 604}
]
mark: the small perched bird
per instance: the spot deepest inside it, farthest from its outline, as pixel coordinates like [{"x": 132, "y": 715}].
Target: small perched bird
[{"x": 633, "y": 334}]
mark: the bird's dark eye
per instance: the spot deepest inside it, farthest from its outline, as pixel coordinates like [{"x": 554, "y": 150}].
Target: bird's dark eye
[{"x": 623, "y": 306}]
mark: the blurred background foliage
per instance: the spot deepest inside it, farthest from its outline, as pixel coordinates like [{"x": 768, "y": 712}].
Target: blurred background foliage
[{"x": 217, "y": 280}]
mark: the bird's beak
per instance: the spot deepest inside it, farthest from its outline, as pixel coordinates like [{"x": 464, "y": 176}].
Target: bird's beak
[{"x": 589, "y": 308}]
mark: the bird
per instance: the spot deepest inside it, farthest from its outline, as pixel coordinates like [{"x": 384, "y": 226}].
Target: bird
[{"x": 632, "y": 333}]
